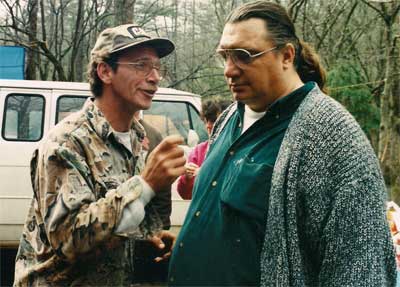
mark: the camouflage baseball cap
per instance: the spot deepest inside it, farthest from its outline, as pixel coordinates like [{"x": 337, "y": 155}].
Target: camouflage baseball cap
[{"x": 119, "y": 38}]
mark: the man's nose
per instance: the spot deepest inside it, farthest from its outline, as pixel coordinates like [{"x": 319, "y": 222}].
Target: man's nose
[
  {"x": 230, "y": 69},
  {"x": 154, "y": 76}
]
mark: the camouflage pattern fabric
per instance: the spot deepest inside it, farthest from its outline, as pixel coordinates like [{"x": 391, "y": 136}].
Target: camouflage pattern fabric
[{"x": 82, "y": 179}]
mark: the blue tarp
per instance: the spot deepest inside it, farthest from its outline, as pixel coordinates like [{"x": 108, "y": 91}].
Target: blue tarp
[{"x": 12, "y": 62}]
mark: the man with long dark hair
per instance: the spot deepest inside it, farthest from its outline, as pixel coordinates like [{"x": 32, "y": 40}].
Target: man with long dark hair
[{"x": 290, "y": 193}]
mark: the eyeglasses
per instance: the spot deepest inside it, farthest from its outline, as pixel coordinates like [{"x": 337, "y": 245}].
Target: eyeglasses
[
  {"x": 144, "y": 67},
  {"x": 240, "y": 57}
]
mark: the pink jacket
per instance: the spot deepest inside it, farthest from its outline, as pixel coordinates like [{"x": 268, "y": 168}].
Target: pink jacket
[{"x": 196, "y": 156}]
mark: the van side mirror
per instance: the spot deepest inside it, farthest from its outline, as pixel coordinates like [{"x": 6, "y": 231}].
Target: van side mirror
[{"x": 193, "y": 138}]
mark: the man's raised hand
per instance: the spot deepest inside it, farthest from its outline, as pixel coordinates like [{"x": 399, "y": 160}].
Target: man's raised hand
[{"x": 165, "y": 163}]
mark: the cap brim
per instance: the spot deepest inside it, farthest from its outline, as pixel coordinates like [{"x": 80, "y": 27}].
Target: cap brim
[{"x": 163, "y": 46}]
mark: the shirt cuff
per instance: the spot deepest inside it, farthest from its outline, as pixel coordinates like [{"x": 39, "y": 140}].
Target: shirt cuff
[
  {"x": 147, "y": 192},
  {"x": 133, "y": 213}
]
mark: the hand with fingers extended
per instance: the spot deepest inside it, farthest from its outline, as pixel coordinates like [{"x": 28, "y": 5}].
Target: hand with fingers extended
[
  {"x": 164, "y": 241},
  {"x": 165, "y": 163}
]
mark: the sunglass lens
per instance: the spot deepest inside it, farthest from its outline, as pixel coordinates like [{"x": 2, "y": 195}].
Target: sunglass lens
[
  {"x": 223, "y": 55},
  {"x": 241, "y": 57}
]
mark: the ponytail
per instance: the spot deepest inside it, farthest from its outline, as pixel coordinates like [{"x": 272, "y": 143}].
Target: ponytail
[{"x": 309, "y": 66}]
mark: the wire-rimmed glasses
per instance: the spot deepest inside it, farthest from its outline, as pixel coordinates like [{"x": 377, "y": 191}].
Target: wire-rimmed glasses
[
  {"x": 240, "y": 57},
  {"x": 144, "y": 67}
]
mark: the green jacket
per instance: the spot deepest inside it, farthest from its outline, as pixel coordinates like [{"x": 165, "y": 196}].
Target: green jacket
[{"x": 326, "y": 223}]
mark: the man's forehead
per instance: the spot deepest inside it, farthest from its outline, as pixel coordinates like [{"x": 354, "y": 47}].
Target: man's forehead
[
  {"x": 143, "y": 52},
  {"x": 243, "y": 34}
]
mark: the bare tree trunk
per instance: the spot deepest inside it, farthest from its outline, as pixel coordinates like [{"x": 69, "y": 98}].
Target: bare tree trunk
[
  {"x": 43, "y": 71},
  {"x": 80, "y": 68},
  {"x": 193, "y": 39},
  {"x": 124, "y": 11},
  {"x": 295, "y": 7},
  {"x": 175, "y": 38},
  {"x": 76, "y": 40},
  {"x": 31, "y": 55}
]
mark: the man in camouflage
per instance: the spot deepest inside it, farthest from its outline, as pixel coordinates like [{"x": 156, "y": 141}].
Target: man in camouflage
[{"x": 90, "y": 192}]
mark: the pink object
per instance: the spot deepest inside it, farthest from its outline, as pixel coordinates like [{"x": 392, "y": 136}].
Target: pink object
[
  {"x": 393, "y": 215},
  {"x": 197, "y": 156}
]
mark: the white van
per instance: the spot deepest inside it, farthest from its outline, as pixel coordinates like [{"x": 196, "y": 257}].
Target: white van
[{"x": 30, "y": 108}]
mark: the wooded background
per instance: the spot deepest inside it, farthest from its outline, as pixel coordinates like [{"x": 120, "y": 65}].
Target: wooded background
[{"x": 358, "y": 41}]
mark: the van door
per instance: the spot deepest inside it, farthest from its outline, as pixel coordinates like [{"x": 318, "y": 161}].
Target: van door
[{"x": 24, "y": 122}]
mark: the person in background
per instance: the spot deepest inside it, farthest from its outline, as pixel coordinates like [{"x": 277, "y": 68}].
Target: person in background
[
  {"x": 90, "y": 193},
  {"x": 291, "y": 193},
  {"x": 210, "y": 111},
  {"x": 393, "y": 215}
]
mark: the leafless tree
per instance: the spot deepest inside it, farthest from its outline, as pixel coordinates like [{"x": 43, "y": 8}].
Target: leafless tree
[{"x": 389, "y": 136}]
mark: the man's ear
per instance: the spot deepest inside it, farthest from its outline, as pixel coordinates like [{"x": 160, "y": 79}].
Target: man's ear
[
  {"x": 288, "y": 53},
  {"x": 104, "y": 72}
]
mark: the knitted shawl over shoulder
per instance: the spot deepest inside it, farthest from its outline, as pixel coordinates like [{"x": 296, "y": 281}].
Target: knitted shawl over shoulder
[{"x": 326, "y": 223}]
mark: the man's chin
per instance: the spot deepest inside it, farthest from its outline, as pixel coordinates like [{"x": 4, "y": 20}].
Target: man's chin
[
  {"x": 146, "y": 103},
  {"x": 146, "y": 107},
  {"x": 240, "y": 96}
]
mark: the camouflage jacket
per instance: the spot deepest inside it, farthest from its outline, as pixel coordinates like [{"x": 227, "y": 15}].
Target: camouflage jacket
[{"x": 82, "y": 178}]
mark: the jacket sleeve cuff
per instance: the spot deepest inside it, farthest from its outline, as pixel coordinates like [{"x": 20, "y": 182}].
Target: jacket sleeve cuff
[
  {"x": 133, "y": 213},
  {"x": 147, "y": 192}
]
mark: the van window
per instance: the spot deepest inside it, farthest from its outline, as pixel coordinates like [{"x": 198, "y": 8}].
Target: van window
[
  {"x": 198, "y": 124},
  {"x": 67, "y": 105},
  {"x": 171, "y": 118},
  {"x": 168, "y": 118},
  {"x": 23, "y": 117}
]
